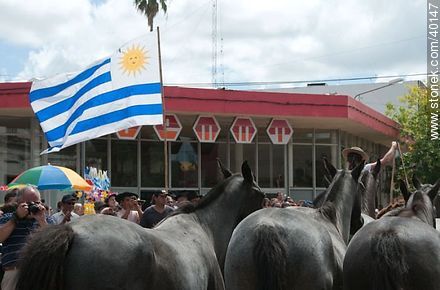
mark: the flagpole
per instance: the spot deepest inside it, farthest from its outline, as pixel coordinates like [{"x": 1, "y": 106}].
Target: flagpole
[{"x": 165, "y": 147}]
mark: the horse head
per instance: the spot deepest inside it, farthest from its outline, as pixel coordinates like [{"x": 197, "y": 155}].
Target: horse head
[
  {"x": 226, "y": 172},
  {"x": 329, "y": 173},
  {"x": 368, "y": 186},
  {"x": 342, "y": 205},
  {"x": 436, "y": 201},
  {"x": 419, "y": 204},
  {"x": 253, "y": 196}
]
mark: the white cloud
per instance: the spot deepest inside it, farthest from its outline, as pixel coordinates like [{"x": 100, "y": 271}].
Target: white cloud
[{"x": 262, "y": 41}]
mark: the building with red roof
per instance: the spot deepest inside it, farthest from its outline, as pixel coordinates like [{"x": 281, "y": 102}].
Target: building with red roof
[{"x": 208, "y": 124}]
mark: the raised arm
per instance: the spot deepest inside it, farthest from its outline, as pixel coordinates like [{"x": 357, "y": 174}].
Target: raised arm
[{"x": 387, "y": 158}]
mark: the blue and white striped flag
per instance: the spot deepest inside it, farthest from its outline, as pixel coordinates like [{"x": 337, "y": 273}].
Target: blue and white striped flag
[{"x": 113, "y": 94}]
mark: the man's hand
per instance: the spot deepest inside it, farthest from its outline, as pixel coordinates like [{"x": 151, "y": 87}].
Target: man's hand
[
  {"x": 22, "y": 210},
  {"x": 134, "y": 205},
  {"x": 40, "y": 215}
]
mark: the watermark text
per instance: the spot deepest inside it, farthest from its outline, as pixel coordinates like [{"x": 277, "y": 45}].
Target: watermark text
[{"x": 433, "y": 31}]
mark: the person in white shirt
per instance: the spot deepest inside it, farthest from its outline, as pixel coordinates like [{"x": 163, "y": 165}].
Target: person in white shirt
[
  {"x": 355, "y": 155},
  {"x": 131, "y": 210},
  {"x": 66, "y": 213}
]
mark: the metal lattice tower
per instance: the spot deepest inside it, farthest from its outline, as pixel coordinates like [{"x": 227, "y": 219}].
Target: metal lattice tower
[{"x": 214, "y": 44}]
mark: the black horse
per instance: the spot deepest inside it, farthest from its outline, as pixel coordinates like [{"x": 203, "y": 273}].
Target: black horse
[
  {"x": 400, "y": 251},
  {"x": 186, "y": 251},
  {"x": 419, "y": 186},
  {"x": 368, "y": 186},
  {"x": 295, "y": 247}
]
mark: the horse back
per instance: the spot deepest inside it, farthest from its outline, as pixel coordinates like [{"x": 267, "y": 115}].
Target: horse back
[
  {"x": 103, "y": 259},
  {"x": 144, "y": 258},
  {"x": 187, "y": 255},
  {"x": 393, "y": 253},
  {"x": 280, "y": 249}
]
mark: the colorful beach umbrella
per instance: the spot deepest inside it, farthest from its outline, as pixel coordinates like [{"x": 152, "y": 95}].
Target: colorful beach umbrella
[{"x": 51, "y": 177}]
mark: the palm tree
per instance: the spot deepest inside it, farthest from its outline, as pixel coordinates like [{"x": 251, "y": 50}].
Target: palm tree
[{"x": 150, "y": 9}]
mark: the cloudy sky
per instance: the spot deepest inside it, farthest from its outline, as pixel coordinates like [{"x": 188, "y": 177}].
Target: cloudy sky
[{"x": 280, "y": 42}]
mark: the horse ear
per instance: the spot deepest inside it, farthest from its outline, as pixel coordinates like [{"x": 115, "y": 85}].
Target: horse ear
[
  {"x": 247, "y": 172},
  {"x": 356, "y": 172},
  {"x": 416, "y": 182},
  {"x": 226, "y": 172},
  {"x": 377, "y": 168},
  {"x": 329, "y": 168},
  {"x": 327, "y": 180},
  {"x": 404, "y": 190},
  {"x": 432, "y": 193}
]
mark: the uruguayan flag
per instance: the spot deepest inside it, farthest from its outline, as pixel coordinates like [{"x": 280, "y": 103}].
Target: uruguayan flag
[{"x": 115, "y": 93}]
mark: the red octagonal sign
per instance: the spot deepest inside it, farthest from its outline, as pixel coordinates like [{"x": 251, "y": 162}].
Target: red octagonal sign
[
  {"x": 173, "y": 128},
  {"x": 243, "y": 130},
  {"x": 279, "y": 131},
  {"x": 206, "y": 129},
  {"x": 129, "y": 133}
]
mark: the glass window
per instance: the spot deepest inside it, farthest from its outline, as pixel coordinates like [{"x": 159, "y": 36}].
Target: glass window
[
  {"x": 264, "y": 165},
  {"x": 302, "y": 136},
  {"x": 240, "y": 153},
  {"x": 209, "y": 170},
  {"x": 302, "y": 166},
  {"x": 124, "y": 163},
  {"x": 330, "y": 153},
  {"x": 147, "y": 132},
  {"x": 66, "y": 157},
  {"x": 187, "y": 133},
  {"x": 327, "y": 136},
  {"x": 225, "y": 124},
  {"x": 96, "y": 154},
  {"x": 271, "y": 165},
  {"x": 15, "y": 153},
  {"x": 184, "y": 164},
  {"x": 152, "y": 164}
]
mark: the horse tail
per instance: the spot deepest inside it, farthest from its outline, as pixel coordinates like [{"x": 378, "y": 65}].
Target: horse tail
[
  {"x": 270, "y": 255},
  {"x": 388, "y": 256},
  {"x": 42, "y": 259}
]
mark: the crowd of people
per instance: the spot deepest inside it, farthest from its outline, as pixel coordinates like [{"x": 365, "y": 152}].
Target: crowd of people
[{"x": 281, "y": 200}]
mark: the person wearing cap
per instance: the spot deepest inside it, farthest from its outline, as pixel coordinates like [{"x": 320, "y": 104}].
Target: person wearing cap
[
  {"x": 156, "y": 212},
  {"x": 66, "y": 213},
  {"x": 131, "y": 209},
  {"x": 16, "y": 227},
  {"x": 355, "y": 155}
]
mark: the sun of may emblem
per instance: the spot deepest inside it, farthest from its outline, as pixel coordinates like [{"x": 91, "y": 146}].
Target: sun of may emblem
[{"x": 133, "y": 60}]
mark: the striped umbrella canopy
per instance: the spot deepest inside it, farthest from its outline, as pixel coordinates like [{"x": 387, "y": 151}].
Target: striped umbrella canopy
[{"x": 51, "y": 177}]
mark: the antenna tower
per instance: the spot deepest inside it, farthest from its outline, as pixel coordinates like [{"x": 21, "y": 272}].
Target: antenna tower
[{"x": 214, "y": 44}]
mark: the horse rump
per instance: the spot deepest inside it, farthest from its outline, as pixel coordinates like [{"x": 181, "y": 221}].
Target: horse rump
[
  {"x": 42, "y": 259},
  {"x": 270, "y": 254},
  {"x": 388, "y": 255}
]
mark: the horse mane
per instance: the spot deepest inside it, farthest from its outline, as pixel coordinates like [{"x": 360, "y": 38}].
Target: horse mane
[
  {"x": 212, "y": 195},
  {"x": 328, "y": 208},
  {"x": 365, "y": 194},
  {"x": 417, "y": 209},
  {"x": 421, "y": 209}
]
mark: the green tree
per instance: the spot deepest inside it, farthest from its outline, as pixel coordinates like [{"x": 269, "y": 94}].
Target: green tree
[
  {"x": 422, "y": 157},
  {"x": 150, "y": 8}
]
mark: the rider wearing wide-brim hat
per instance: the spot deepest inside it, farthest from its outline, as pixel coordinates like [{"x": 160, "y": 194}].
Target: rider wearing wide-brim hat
[{"x": 355, "y": 155}]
